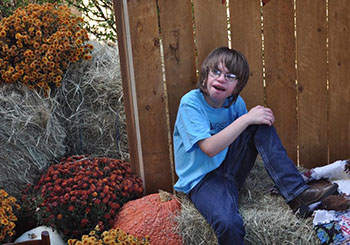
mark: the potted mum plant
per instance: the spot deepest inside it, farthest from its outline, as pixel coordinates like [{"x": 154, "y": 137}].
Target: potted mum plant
[
  {"x": 81, "y": 192},
  {"x": 112, "y": 236},
  {"x": 8, "y": 209},
  {"x": 38, "y": 42}
]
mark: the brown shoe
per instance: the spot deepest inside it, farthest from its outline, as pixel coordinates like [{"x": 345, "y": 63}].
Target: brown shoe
[
  {"x": 319, "y": 184},
  {"x": 312, "y": 195}
]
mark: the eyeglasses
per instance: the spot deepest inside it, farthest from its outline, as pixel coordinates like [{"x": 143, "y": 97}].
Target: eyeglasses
[{"x": 229, "y": 77}]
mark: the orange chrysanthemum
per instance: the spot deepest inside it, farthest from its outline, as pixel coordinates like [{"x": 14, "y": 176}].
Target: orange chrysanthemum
[{"x": 41, "y": 39}]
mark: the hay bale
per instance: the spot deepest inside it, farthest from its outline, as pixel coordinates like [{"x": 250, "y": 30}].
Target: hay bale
[
  {"x": 31, "y": 138},
  {"x": 192, "y": 226},
  {"x": 91, "y": 98},
  {"x": 267, "y": 218}
]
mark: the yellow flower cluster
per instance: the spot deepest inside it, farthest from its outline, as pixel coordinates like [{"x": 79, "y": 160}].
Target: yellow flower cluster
[
  {"x": 113, "y": 236},
  {"x": 7, "y": 216},
  {"x": 38, "y": 42}
]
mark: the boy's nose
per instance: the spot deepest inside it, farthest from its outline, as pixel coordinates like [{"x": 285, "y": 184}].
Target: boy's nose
[{"x": 222, "y": 77}]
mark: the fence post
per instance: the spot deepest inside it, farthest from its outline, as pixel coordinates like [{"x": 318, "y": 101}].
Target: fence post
[{"x": 138, "y": 42}]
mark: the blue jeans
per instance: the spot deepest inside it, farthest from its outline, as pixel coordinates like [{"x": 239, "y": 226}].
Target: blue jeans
[{"x": 216, "y": 195}]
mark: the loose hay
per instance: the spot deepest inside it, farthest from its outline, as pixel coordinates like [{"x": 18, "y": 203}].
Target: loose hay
[
  {"x": 92, "y": 103},
  {"x": 31, "y": 137},
  {"x": 268, "y": 219},
  {"x": 192, "y": 226}
]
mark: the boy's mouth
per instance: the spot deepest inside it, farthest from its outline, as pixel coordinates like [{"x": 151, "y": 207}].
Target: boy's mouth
[{"x": 219, "y": 88}]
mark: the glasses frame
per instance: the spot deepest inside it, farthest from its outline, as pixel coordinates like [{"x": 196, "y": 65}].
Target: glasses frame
[{"x": 229, "y": 77}]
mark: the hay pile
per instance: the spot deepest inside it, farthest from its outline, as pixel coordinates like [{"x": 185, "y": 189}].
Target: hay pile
[
  {"x": 31, "y": 138},
  {"x": 268, "y": 220},
  {"x": 85, "y": 116},
  {"x": 91, "y": 98}
]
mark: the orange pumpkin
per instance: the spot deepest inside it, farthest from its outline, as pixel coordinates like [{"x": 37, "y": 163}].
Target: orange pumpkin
[{"x": 152, "y": 215}]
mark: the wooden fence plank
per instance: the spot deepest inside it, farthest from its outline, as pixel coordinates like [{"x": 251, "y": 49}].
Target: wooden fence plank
[
  {"x": 280, "y": 70},
  {"x": 210, "y": 27},
  {"x": 124, "y": 57},
  {"x": 339, "y": 73},
  {"x": 179, "y": 51},
  {"x": 150, "y": 94},
  {"x": 312, "y": 82},
  {"x": 246, "y": 37}
]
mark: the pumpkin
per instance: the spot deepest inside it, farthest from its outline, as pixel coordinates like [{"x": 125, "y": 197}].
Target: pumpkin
[{"x": 153, "y": 216}]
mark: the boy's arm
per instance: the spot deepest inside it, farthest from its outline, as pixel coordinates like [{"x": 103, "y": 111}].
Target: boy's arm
[{"x": 218, "y": 142}]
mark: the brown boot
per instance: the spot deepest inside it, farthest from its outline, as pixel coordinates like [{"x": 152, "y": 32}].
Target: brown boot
[
  {"x": 312, "y": 195},
  {"x": 319, "y": 184}
]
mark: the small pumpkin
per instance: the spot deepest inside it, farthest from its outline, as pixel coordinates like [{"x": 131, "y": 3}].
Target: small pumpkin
[
  {"x": 35, "y": 234},
  {"x": 152, "y": 216}
]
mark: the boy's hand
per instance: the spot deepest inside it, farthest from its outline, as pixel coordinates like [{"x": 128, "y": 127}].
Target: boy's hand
[{"x": 260, "y": 115}]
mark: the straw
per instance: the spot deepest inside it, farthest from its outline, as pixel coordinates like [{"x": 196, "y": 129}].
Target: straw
[
  {"x": 92, "y": 104},
  {"x": 31, "y": 138}
]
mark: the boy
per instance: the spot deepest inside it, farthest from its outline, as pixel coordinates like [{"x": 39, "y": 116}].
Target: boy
[{"x": 216, "y": 142}]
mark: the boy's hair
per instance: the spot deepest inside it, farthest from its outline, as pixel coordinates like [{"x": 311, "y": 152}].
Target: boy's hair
[{"x": 234, "y": 61}]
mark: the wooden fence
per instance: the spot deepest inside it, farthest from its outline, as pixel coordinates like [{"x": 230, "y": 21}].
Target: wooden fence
[{"x": 299, "y": 55}]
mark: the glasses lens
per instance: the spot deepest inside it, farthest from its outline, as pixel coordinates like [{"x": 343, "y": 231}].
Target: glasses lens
[
  {"x": 230, "y": 77},
  {"x": 216, "y": 72}
]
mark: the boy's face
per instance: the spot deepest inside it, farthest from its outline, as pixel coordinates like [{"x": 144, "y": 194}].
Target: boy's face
[{"x": 218, "y": 87}]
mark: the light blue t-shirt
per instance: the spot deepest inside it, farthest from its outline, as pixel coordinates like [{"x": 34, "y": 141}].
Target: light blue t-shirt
[{"x": 196, "y": 120}]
